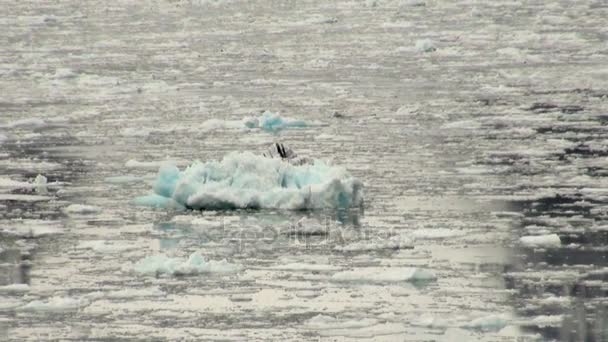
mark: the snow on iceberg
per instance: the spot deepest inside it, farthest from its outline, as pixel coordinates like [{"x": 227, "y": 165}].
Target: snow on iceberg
[
  {"x": 195, "y": 264},
  {"x": 267, "y": 121},
  {"x": 244, "y": 180}
]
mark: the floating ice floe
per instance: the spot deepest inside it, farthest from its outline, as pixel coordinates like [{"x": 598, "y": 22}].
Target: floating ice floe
[
  {"x": 267, "y": 121},
  {"x": 245, "y": 180},
  {"x": 32, "y": 123},
  {"x": 437, "y": 233},
  {"x": 30, "y": 228},
  {"x": 127, "y": 293},
  {"x": 550, "y": 240},
  {"x": 39, "y": 184},
  {"x": 384, "y": 275},
  {"x": 195, "y": 264},
  {"x": 488, "y": 323},
  {"x": 395, "y": 242},
  {"x": 15, "y": 288},
  {"x": 55, "y": 304},
  {"x": 147, "y": 165},
  {"x": 425, "y": 45},
  {"x": 81, "y": 209},
  {"x": 103, "y": 246},
  {"x": 354, "y": 327}
]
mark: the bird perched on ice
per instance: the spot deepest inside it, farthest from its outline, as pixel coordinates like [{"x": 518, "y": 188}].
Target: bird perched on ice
[{"x": 278, "y": 150}]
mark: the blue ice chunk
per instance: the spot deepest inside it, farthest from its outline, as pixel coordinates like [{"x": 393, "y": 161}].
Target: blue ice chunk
[{"x": 245, "y": 180}]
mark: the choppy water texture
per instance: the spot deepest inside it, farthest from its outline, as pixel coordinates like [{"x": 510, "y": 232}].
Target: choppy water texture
[{"x": 471, "y": 123}]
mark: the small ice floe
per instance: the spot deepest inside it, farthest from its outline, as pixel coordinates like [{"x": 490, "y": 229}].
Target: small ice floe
[
  {"x": 425, "y": 45},
  {"x": 384, "y": 275},
  {"x": 122, "y": 179},
  {"x": 267, "y": 121},
  {"x": 549, "y": 240},
  {"x": 127, "y": 293},
  {"x": 135, "y": 132},
  {"x": 393, "y": 243},
  {"x": 147, "y": 165},
  {"x": 436, "y": 233},
  {"x": 64, "y": 73},
  {"x": 245, "y": 180},
  {"x": 543, "y": 321},
  {"x": 302, "y": 267},
  {"x": 488, "y": 323},
  {"x": 195, "y": 264},
  {"x": 55, "y": 304},
  {"x": 14, "y": 288},
  {"x": 352, "y": 327},
  {"x": 33, "y": 123},
  {"x": 103, "y": 246},
  {"x": 39, "y": 184},
  {"x": 30, "y": 228},
  {"x": 81, "y": 209}
]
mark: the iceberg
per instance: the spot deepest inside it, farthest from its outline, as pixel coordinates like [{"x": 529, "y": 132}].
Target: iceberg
[
  {"x": 243, "y": 180},
  {"x": 195, "y": 264}
]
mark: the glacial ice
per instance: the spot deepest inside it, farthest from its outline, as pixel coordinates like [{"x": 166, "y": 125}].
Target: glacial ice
[
  {"x": 550, "y": 240},
  {"x": 425, "y": 45},
  {"x": 81, "y": 209},
  {"x": 267, "y": 121},
  {"x": 15, "y": 288},
  {"x": 32, "y": 123},
  {"x": 195, "y": 264},
  {"x": 244, "y": 180},
  {"x": 386, "y": 275},
  {"x": 55, "y": 304}
]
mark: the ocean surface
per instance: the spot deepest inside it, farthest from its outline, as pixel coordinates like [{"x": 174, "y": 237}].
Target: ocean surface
[{"x": 478, "y": 128}]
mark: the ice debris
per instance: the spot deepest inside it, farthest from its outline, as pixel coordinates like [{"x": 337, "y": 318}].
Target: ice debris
[
  {"x": 386, "y": 275},
  {"x": 81, "y": 209},
  {"x": 267, "y": 121},
  {"x": 244, "y": 180},
  {"x": 55, "y": 304},
  {"x": 425, "y": 45},
  {"x": 550, "y": 240},
  {"x": 195, "y": 264}
]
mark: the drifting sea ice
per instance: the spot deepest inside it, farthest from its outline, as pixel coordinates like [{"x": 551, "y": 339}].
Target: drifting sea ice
[
  {"x": 55, "y": 304},
  {"x": 425, "y": 45},
  {"x": 267, "y": 121},
  {"x": 244, "y": 180},
  {"x": 195, "y": 264},
  {"x": 384, "y": 275},
  {"x": 81, "y": 209},
  {"x": 550, "y": 240}
]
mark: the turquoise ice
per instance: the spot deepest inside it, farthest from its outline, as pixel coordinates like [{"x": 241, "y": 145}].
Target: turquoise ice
[{"x": 244, "y": 180}]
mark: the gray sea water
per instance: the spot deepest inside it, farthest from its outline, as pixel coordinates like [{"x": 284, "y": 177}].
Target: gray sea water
[{"x": 474, "y": 125}]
